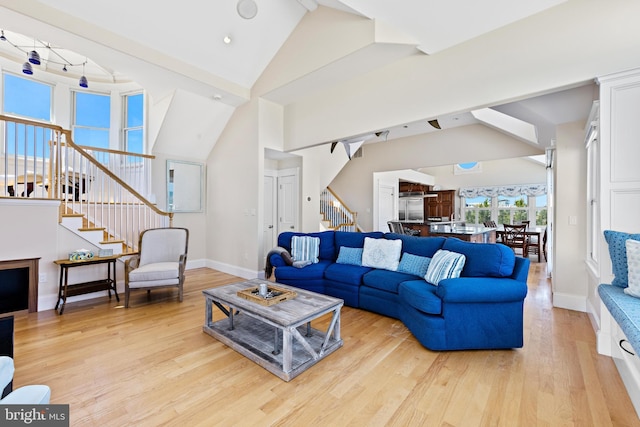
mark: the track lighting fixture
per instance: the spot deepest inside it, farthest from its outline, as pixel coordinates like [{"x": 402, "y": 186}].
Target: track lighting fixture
[
  {"x": 33, "y": 57},
  {"x": 27, "y": 68},
  {"x": 83, "y": 80}
]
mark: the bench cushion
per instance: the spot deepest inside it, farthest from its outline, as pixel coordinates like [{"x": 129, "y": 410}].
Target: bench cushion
[{"x": 625, "y": 309}]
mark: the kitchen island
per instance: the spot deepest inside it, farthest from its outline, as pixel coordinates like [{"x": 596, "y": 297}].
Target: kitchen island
[{"x": 470, "y": 233}]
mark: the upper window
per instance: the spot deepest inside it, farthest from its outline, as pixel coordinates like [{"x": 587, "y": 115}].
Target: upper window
[
  {"x": 133, "y": 141},
  {"x": 26, "y": 98},
  {"x": 91, "y": 119}
]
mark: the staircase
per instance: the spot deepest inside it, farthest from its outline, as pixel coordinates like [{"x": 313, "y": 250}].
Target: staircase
[
  {"x": 41, "y": 160},
  {"x": 334, "y": 215}
]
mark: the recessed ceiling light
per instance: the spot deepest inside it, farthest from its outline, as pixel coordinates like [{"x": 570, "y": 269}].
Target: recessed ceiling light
[{"x": 226, "y": 39}]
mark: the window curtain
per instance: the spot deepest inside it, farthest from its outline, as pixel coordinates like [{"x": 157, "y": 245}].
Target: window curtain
[{"x": 505, "y": 190}]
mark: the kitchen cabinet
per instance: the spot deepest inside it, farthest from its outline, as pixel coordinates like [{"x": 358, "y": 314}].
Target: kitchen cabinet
[
  {"x": 441, "y": 206},
  {"x": 411, "y": 187}
]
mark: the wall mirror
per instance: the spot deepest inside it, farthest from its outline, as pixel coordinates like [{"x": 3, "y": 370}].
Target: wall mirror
[{"x": 185, "y": 186}]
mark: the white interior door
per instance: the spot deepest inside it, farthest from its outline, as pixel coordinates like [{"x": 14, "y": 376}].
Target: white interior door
[
  {"x": 386, "y": 206},
  {"x": 287, "y": 202},
  {"x": 270, "y": 214}
]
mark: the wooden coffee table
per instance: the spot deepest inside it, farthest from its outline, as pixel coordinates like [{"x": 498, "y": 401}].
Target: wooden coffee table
[{"x": 278, "y": 337}]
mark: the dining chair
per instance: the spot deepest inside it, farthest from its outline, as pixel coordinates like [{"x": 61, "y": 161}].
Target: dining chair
[
  {"x": 514, "y": 236},
  {"x": 160, "y": 263}
]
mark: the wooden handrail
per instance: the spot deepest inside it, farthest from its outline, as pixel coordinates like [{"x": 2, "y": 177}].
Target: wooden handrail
[
  {"x": 111, "y": 175},
  {"x": 30, "y": 122},
  {"x": 124, "y": 153},
  {"x": 341, "y": 202}
]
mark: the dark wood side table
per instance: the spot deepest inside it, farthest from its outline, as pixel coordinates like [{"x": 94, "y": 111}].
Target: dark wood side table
[{"x": 66, "y": 290}]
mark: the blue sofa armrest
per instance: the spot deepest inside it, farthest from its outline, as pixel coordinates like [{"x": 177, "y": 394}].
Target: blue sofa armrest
[
  {"x": 276, "y": 260},
  {"x": 521, "y": 269},
  {"x": 481, "y": 289}
]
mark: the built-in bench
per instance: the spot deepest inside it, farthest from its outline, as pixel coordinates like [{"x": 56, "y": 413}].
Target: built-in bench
[{"x": 619, "y": 336}]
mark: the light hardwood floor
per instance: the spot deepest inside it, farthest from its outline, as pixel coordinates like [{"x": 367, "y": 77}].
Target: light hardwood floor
[{"x": 152, "y": 365}]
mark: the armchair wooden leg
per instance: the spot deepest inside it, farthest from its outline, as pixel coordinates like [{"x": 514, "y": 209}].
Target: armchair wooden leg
[{"x": 126, "y": 296}]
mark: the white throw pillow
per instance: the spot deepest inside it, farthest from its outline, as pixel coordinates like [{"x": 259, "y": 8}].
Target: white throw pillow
[
  {"x": 633, "y": 262},
  {"x": 381, "y": 253},
  {"x": 444, "y": 265}
]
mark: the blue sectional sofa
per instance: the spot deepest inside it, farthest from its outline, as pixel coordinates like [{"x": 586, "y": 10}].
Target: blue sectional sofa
[{"x": 481, "y": 309}]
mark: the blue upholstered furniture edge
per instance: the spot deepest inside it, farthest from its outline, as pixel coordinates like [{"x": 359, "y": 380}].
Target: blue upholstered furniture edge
[{"x": 483, "y": 309}]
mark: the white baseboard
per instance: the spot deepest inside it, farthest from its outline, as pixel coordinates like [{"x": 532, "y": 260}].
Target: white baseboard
[
  {"x": 245, "y": 273},
  {"x": 570, "y": 302},
  {"x": 198, "y": 263}
]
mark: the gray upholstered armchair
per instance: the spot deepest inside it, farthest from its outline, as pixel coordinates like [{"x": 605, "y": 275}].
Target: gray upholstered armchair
[{"x": 160, "y": 263}]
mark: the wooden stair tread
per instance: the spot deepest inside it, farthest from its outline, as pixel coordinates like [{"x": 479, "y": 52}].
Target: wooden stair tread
[
  {"x": 73, "y": 215},
  {"x": 91, "y": 229}
]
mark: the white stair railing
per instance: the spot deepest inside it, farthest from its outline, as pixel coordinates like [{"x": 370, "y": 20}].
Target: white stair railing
[
  {"x": 336, "y": 213},
  {"x": 41, "y": 160},
  {"x": 132, "y": 168}
]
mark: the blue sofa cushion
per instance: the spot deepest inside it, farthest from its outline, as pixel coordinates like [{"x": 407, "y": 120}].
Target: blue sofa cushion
[
  {"x": 386, "y": 280},
  {"x": 345, "y": 273},
  {"x": 483, "y": 259},
  {"x": 414, "y": 264},
  {"x": 347, "y": 255},
  {"x": 421, "y": 296},
  {"x": 327, "y": 247},
  {"x": 422, "y": 246},
  {"x": 618, "y": 253},
  {"x": 312, "y": 271}
]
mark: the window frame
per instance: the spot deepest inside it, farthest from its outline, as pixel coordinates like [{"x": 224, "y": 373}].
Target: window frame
[
  {"x": 34, "y": 80},
  {"x": 74, "y": 93},
  {"x": 531, "y": 211},
  {"x": 125, "y": 129}
]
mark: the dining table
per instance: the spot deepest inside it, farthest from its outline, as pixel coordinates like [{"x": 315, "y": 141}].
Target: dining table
[{"x": 530, "y": 232}]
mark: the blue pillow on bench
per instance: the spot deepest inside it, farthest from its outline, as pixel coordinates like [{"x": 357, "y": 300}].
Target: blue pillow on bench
[{"x": 618, "y": 253}]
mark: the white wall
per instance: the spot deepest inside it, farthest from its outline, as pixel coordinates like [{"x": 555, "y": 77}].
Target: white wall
[
  {"x": 29, "y": 229},
  {"x": 569, "y": 273},
  {"x": 234, "y": 177}
]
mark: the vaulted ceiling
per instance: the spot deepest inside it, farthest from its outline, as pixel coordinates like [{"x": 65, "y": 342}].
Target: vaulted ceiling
[{"x": 207, "y": 48}]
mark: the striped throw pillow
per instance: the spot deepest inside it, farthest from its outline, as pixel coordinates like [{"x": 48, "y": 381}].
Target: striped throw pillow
[
  {"x": 305, "y": 248},
  {"x": 444, "y": 265}
]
